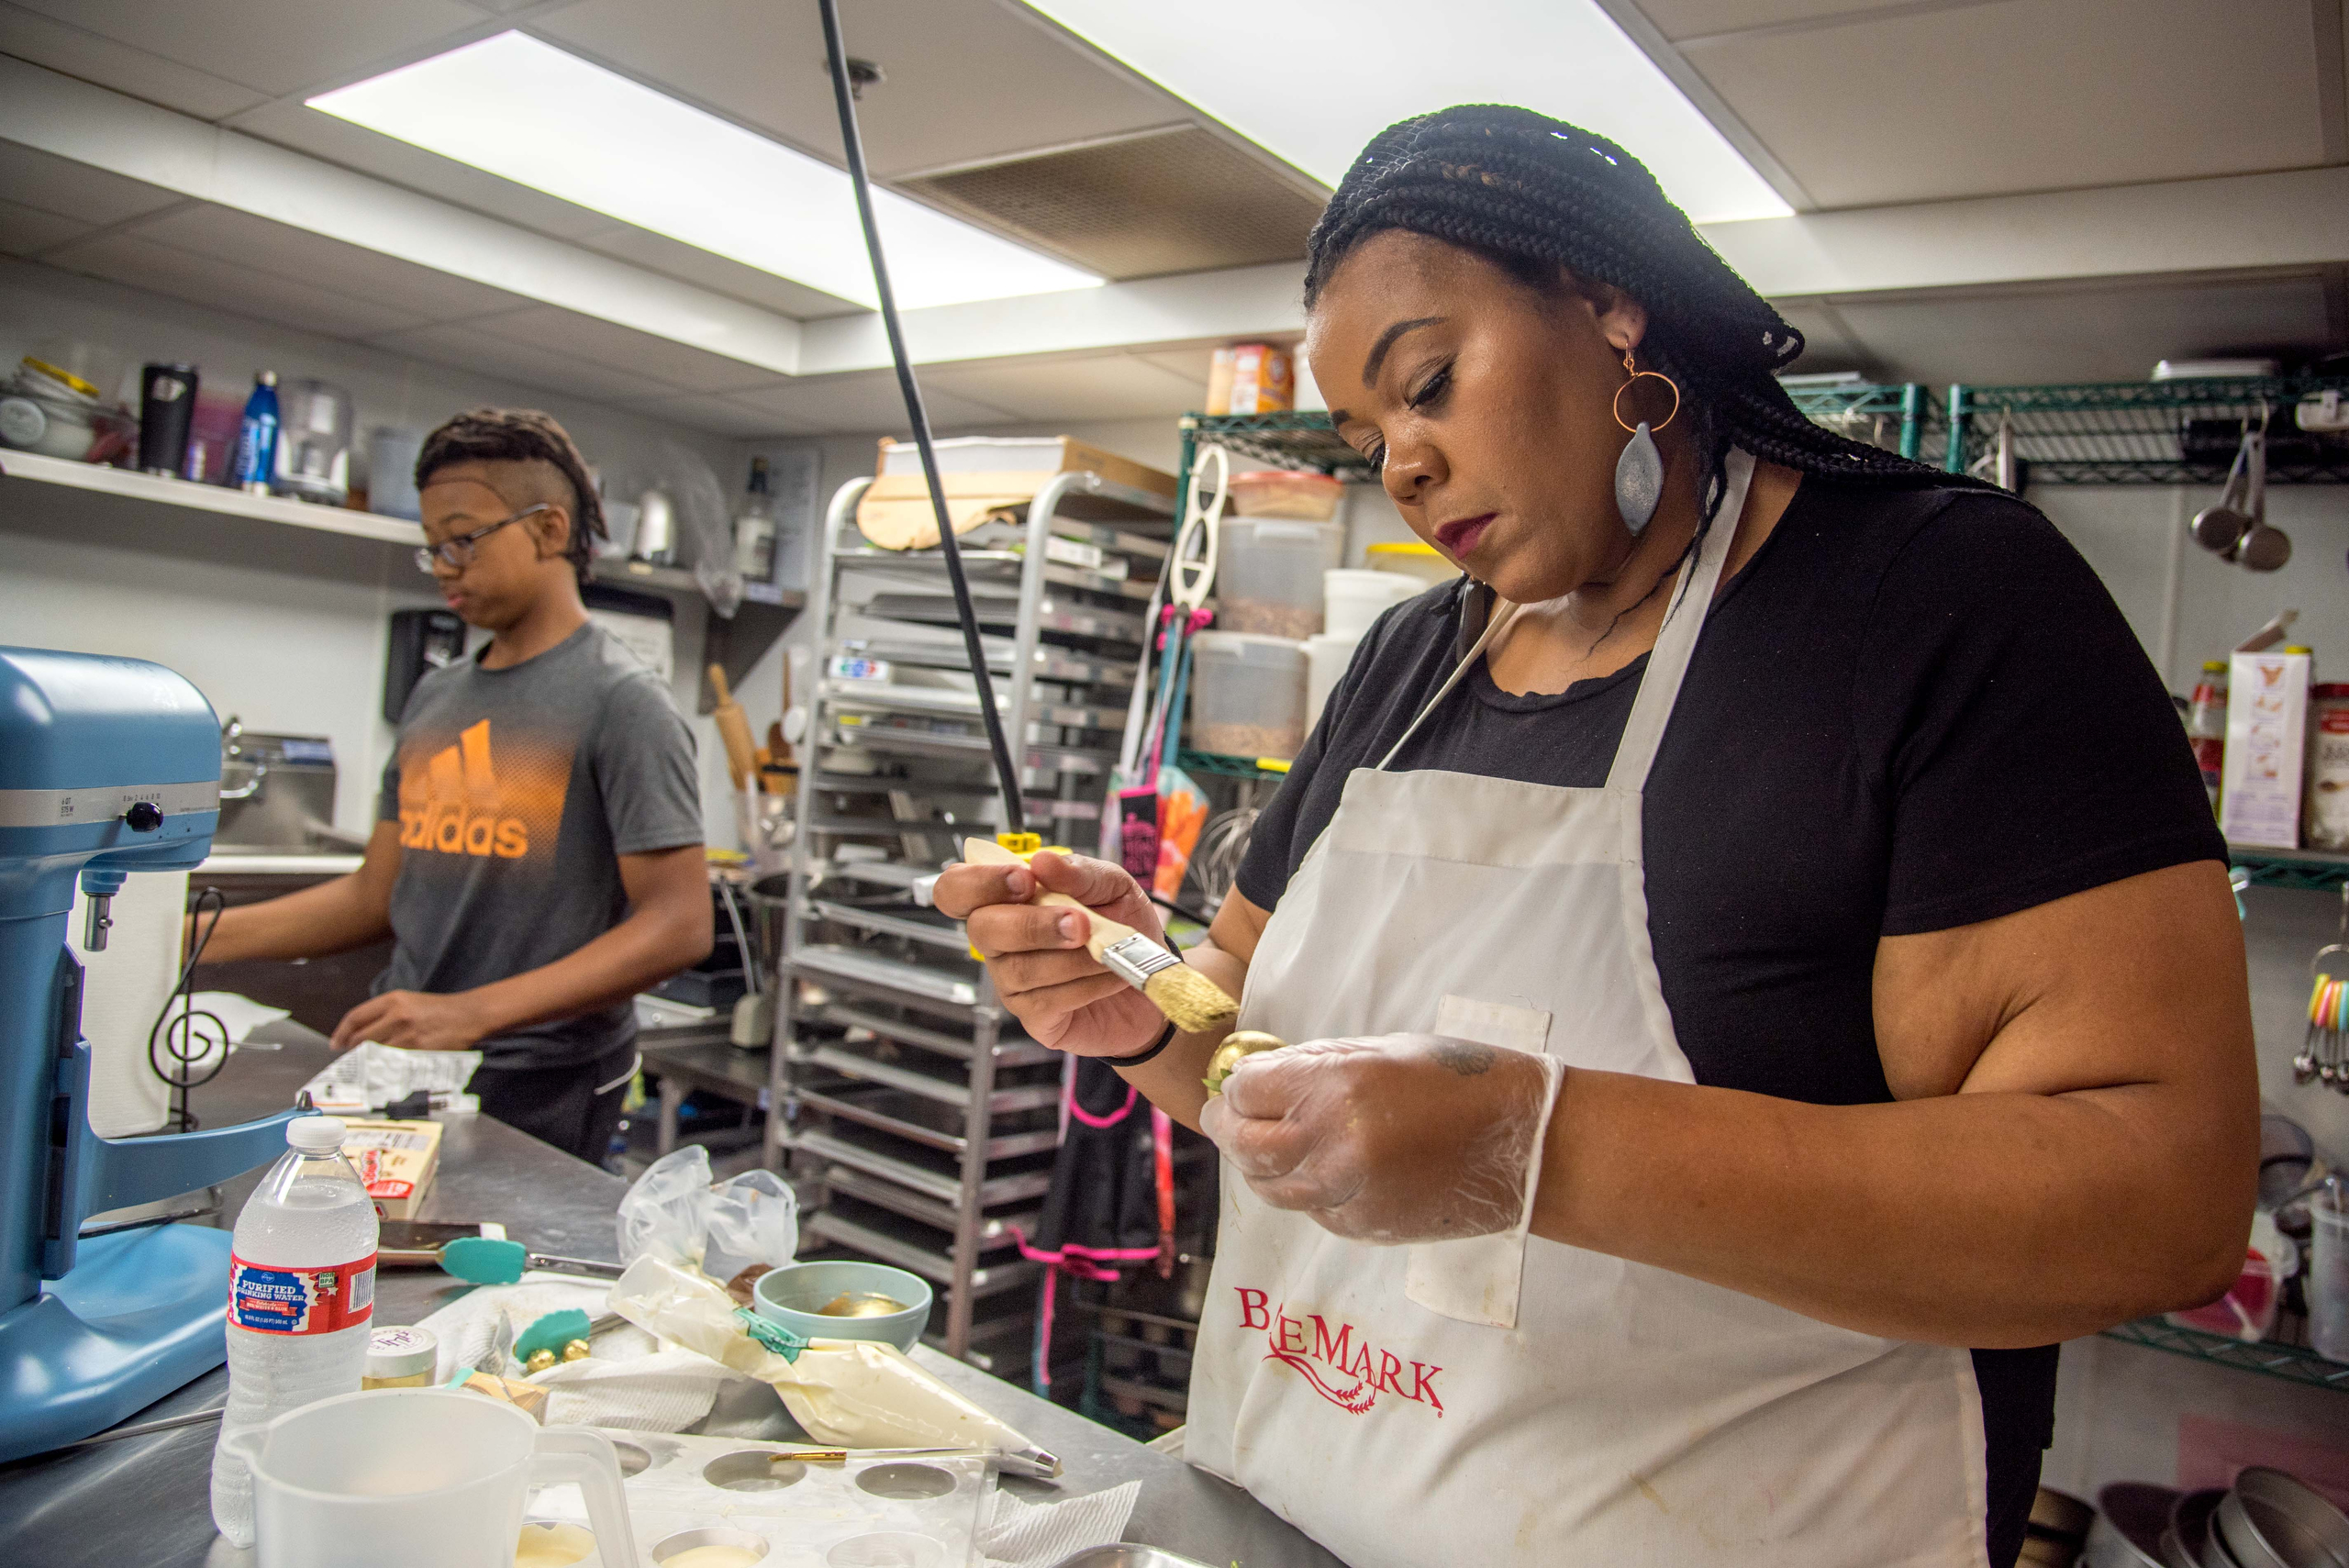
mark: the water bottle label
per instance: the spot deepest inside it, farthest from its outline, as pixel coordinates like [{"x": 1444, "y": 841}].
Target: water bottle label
[{"x": 301, "y": 1301}]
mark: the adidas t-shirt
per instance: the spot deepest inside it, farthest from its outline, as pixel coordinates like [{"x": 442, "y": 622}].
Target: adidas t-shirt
[{"x": 516, "y": 791}]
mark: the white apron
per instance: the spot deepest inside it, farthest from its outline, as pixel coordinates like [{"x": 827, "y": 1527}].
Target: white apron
[{"x": 1630, "y": 1418}]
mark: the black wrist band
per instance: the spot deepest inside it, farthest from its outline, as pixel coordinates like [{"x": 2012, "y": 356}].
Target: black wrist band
[{"x": 1166, "y": 1038}]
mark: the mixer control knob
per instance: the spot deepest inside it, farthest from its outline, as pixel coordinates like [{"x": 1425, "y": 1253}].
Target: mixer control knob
[{"x": 144, "y": 817}]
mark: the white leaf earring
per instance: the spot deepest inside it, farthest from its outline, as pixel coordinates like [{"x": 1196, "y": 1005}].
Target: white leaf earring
[{"x": 1638, "y": 473}]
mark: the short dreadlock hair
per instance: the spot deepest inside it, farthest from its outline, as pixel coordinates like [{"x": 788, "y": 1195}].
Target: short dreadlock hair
[
  {"x": 521, "y": 435},
  {"x": 1534, "y": 195}
]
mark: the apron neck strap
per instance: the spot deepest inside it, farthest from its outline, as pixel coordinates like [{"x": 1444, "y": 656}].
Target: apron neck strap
[
  {"x": 1675, "y": 644},
  {"x": 1497, "y": 619},
  {"x": 1692, "y": 597}
]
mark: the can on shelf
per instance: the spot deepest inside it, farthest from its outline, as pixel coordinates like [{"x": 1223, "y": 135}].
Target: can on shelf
[{"x": 2324, "y": 808}]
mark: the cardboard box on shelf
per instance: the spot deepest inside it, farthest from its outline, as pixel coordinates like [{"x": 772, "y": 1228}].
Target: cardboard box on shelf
[
  {"x": 1251, "y": 378},
  {"x": 2268, "y": 715},
  {"x": 983, "y": 474},
  {"x": 396, "y": 1162}
]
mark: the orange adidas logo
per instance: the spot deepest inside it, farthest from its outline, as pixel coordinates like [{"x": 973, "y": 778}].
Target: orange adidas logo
[{"x": 459, "y": 815}]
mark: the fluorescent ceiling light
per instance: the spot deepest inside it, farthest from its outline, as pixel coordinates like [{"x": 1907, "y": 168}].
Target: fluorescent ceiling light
[
  {"x": 527, "y": 112},
  {"x": 1312, "y": 80}
]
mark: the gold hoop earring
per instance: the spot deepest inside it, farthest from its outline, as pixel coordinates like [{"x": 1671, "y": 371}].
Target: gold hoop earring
[{"x": 1635, "y": 373}]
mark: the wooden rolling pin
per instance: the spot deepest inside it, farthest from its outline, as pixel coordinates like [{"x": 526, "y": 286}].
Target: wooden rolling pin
[{"x": 734, "y": 729}]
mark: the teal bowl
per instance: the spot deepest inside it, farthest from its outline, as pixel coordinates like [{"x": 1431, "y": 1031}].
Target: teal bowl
[{"x": 791, "y": 1295}]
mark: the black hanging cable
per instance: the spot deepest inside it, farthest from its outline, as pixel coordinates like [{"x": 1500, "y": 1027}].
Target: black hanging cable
[
  {"x": 1015, "y": 814},
  {"x": 174, "y": 1039}
]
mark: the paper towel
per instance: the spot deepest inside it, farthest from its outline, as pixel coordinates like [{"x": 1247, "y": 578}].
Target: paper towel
[
  {"x": 123, "y": 993},
  {"x": 1014, "y": 1533}
]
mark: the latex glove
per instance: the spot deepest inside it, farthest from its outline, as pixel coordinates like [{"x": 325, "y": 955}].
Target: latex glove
[
  {"x": 1036, "y": 954},
  {"x": 413, "y": 1021},
  {"x": 1392, "y": 1140}
]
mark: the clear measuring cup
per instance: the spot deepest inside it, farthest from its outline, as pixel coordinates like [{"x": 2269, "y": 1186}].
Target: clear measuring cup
[{"x": 393, "y": 1478}]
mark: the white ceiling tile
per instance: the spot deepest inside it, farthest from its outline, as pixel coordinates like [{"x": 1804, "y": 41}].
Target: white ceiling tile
[
  {"x": 280, "y": 252},
  {"x": 1116, "y": 387},
  {"x": 1678, "y": 19},
  {"x": 965, "y": 82},
  {"x": 2100, "y": 332},
  {"x": 720, "y": 274},
  {"x": 861, "y": 401},
  {"x": 25, "y": 231},
  {"x": 121, "y": 66},
  {"x": 272, "y": 46},
  {"x": 718, "y": 415},
  {"x": 305, "y": 130},
  {"x": 73, "y": 190},
  {"x": 625, "y": 348},
  {"x": 2028, "y": 94},
  {"x": 468, "y": 347},
  {"x": 129, "y": 259}
]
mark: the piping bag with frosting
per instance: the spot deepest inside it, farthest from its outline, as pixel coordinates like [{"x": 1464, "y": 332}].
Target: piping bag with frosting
[{"x": 848, "y": 1393}]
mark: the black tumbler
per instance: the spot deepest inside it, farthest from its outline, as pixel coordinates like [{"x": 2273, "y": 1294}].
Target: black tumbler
[{"x": 166, "y": 410}]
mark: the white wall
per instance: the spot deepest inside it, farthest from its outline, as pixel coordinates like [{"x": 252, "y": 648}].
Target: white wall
[{"x": 288, "y": 632}]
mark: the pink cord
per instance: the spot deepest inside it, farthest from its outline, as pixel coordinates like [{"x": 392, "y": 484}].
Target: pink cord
[{"x": 1097, "y": 1123}]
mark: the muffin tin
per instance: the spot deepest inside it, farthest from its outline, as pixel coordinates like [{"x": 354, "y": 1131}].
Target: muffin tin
[{"x": 686, "y": 1491}]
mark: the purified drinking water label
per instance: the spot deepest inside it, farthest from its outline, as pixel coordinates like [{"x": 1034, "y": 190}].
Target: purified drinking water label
[{"x": 301, "y": 1301}]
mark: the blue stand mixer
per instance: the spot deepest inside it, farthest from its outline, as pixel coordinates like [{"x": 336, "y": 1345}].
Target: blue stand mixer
[{"x": 108, "y": 767}]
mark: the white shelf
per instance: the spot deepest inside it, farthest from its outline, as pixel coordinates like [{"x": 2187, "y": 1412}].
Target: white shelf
[{"x": 196, "y": 497}]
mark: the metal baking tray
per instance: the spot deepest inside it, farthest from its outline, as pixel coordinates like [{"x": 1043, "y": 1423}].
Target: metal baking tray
[{"x": 1125, "y": 1555}]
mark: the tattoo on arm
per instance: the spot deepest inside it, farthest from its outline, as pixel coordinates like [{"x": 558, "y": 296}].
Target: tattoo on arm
[{"x": 1464, "y": 1057}]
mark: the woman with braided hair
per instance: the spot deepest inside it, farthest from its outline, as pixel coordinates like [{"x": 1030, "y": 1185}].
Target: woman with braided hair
[{"x": 1761, "y": 963}]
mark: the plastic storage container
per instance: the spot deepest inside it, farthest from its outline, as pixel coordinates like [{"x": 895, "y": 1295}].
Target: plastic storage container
[
  {"x": 1326, "y": 657},
  {"x": 2328, "y": 1281},
  {"x": 1268, "y": 574},
  {"x": 1247, "y": 694},
  {"x": 1353, "y": 598},
  {"x": 1285, "y": 493},
  {"x": 1410, "y": 559}
]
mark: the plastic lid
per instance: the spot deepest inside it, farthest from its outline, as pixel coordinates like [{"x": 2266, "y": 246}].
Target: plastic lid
[
  {"x": 266, "y": 378},
  {"x": 401, "y": 1353},
  {"x": 59, "y": 373},
  {"x": 1414, "y": 547},
  {"x": 1288, "y": 476},
  {"x": 2295, "y": 648},
  {"x": 1241, "y": 642},
  {"x": 315, "y": 1134},
  {"x": 2210, "y": 666},
  {"x": 2329, "y": 690}
]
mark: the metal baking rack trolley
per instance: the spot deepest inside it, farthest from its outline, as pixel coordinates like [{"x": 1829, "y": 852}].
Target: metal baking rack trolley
[{"x": 920, "y": 1121}]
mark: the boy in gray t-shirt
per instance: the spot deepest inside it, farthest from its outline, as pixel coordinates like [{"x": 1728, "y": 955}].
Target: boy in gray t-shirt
[{"x": 538, "y": 854}]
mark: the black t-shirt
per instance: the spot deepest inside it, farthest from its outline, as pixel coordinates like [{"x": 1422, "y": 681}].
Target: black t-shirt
[{"x": 1911, "y": 710}]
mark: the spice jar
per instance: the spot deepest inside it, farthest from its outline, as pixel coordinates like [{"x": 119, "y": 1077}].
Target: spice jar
[{"x": 2324, "y": 803}]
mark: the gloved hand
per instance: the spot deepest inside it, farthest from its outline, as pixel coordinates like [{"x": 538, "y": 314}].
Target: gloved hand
[{"x": 1396, "y": 1139}]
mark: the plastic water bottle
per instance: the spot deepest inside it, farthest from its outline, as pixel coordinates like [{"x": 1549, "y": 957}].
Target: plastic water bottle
[
  {"x": 301, "y": 1292},
  {"x": 256, "y": 463}
]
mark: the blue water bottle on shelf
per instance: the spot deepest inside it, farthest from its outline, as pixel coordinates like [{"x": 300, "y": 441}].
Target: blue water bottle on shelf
[{"x": 257, "y": 436}]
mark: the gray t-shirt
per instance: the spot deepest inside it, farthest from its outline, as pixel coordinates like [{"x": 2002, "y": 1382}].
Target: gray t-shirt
[{"x": 516, "y": 790}]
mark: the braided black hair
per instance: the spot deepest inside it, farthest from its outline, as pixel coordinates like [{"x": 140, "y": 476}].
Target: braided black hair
[
  {"x": 521, "y": 435},
  {"x": 1535, "y": 196}
]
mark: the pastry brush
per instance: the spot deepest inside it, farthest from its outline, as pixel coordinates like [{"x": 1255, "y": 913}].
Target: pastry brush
[{"x": 1194, "y": 1004}]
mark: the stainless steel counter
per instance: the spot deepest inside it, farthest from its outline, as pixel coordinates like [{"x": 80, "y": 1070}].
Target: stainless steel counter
[{"x": 145, "y": 1500}]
